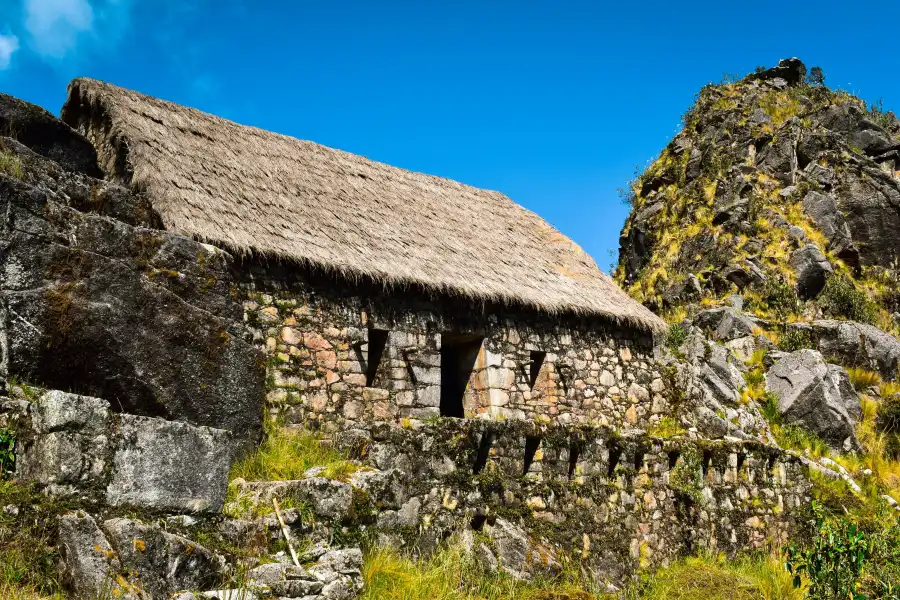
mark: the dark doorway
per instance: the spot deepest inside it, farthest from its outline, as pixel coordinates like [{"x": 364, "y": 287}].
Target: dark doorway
[{"x": 458, "y": 356}]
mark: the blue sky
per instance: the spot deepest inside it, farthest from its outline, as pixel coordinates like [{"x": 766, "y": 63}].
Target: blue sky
[{"x": 552, "y": 103}]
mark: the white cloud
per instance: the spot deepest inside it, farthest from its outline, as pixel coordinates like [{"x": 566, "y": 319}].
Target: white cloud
[
  {"x": 8, "y": 46},
  {"x": 56, "y": 25}
]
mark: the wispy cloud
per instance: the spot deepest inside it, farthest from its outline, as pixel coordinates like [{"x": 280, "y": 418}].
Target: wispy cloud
[
  {"x": 55, "y": 26},
  {"x": 8, "y": 46}
]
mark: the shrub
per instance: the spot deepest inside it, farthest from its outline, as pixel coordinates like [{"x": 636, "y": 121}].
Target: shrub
[
  {"x": 833, "y": 562},
  {"x": 676, "y": 336},
  {"x": 779, "y": 298},
  {"x": 686, "y": 477},
  {"x": 840, "y": 298},
  {"x": 793, "y": 339},
  {"x": 7, "y": 453},
  {"x": 884, "y": 119},
  {"x": 10, "y": 164},
  {"x": 888, "y": 420},
  {"x": 816, "y": 76}
]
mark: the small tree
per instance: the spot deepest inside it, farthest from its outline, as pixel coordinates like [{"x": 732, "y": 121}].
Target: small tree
[{"x": 816, "y": 76}]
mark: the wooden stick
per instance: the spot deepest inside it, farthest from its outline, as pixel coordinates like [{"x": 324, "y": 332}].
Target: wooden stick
[{"x": 284, "y": 531}]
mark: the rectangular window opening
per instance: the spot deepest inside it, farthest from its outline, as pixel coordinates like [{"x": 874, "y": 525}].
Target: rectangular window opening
[
  {"x": 377, "y": 342},
  {"x": 458, "y": 356}
]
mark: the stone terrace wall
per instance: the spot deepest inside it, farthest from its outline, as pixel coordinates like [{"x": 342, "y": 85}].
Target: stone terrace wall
[
  {"x": 320, "y": 333},
  {"x": 616, "y": 502}
]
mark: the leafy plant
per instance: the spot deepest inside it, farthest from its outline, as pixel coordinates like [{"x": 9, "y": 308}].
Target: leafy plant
[
  {"x": 841, "y": 298},
  {"x": 834, "y": 560},
  {"x": 793, "y": 339},
  {"x": 816, "y": 76},
  {"x": 676, "y": 336},
  {"x": 779, "y": 298},
  {"x": 686, "y": 477},
  {"x": 7, "y": 453}
]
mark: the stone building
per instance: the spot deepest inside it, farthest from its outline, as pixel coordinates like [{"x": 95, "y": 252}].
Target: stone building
[{"x": 380, "y": 294}]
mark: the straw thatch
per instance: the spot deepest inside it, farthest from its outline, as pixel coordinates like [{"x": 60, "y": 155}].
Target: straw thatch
[{"x": 254, "y": 191}]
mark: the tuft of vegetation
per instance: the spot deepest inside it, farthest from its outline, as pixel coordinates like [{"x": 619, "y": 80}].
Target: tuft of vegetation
[
  {"x": 816, "y": 76},
  {"x": 10, "y": 164},
  {"x": 452, "y": 574},
  {"x": 7, "y": 453},
  {"x": 793, "y": 339},
  {"x": 676, "y": 336},
  {"x": 712, "y": 577},
  {"x": 686, "y": 477},
  {"x": 667, "y": 427},
  {"x": 288, "y": 453},
  {"x": 863, "y": 379},
  {"x": 841, "y": 298}
]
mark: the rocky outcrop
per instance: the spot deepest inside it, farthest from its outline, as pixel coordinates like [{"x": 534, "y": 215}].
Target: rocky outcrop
[
  {"x": 856, "y": 344},
  {"x": 48, "y": 136},
  {"x": 816, "y": 395},
  {"x": 140, "y": 317},
  {"x": 812, "y": 269},
  {"x": 75, "y": 446}
]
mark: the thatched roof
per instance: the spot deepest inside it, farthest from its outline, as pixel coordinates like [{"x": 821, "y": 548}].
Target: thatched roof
[{"x": 254, "y": 191}]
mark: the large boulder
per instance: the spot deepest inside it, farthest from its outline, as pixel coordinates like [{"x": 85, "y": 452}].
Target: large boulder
[
  {"x": 48, "y": 136},
  {"x": 856, "y": 344},
  {"x": 725, "y": 323},
  {"x": 163, "y": 563},
  {"x": 89, "y": 565},
  {"x": 812, "y": 269},
  {"x": 817, "y": 396},
  {"x": 77, "y": 447},
  {"x": 140, "y": 317}
]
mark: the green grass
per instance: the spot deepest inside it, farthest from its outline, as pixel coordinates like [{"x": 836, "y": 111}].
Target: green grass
[
  {"x": 450, "y": 574},
  {"x": 711, "y": 577},
  {"x": 667, "y": 427},
  {"x": 863, "y": 379},
  {"x": 288, "y": 453},
  {"x": 10, "y": 164}
]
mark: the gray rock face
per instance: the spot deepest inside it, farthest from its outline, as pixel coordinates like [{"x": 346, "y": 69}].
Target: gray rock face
[
  {"x": 823, "y": 210},
  {"x": 89, "y": 564},
  {"x": 817, "y": 396},
  {"x": 78, "y": 448},
  {"x": 857, "y": 344},
  {"x": 91, "y": 301},
  {"x": 48, "y": 136},
  {"x": 791, "y": 70},
  {"x": 163, "y": 563},
  {"x": 169, "y": 465},
  {"x": 812, "y": 270},
  {"x": 725, "y": 323}
]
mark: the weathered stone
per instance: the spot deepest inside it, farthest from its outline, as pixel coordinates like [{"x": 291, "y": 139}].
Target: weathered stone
[
  {"x": 812, "y": 269},
  {"x": 90, "y": 301},
  {"x": 817, "y": 396},
  {"x": 823, "y": 210},
  {"x": 48, "y": 136},
  {"x": 89, "y": 564},
  {"x": 725, "y": 323},
  {"x": 856, "y": 344},
  {"x": 164, "y": 563},
  {"x": 167, "y": 465}
]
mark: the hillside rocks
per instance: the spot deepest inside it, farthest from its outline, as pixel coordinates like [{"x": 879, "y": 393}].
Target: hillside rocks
[
  {"x": 856, "y": 344},
  {"x": 91, "y": 301},
  {"x": 76, "y": 447},
  {"x": 48, "y": 136},
  {"x": 816, "y": 395},
  {"x": 812, "y": 269}
]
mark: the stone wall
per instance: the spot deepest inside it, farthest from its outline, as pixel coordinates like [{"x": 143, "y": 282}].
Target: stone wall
[
  {"x": 615, "y": 502},
  {"x": 341, "y": 355}
]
